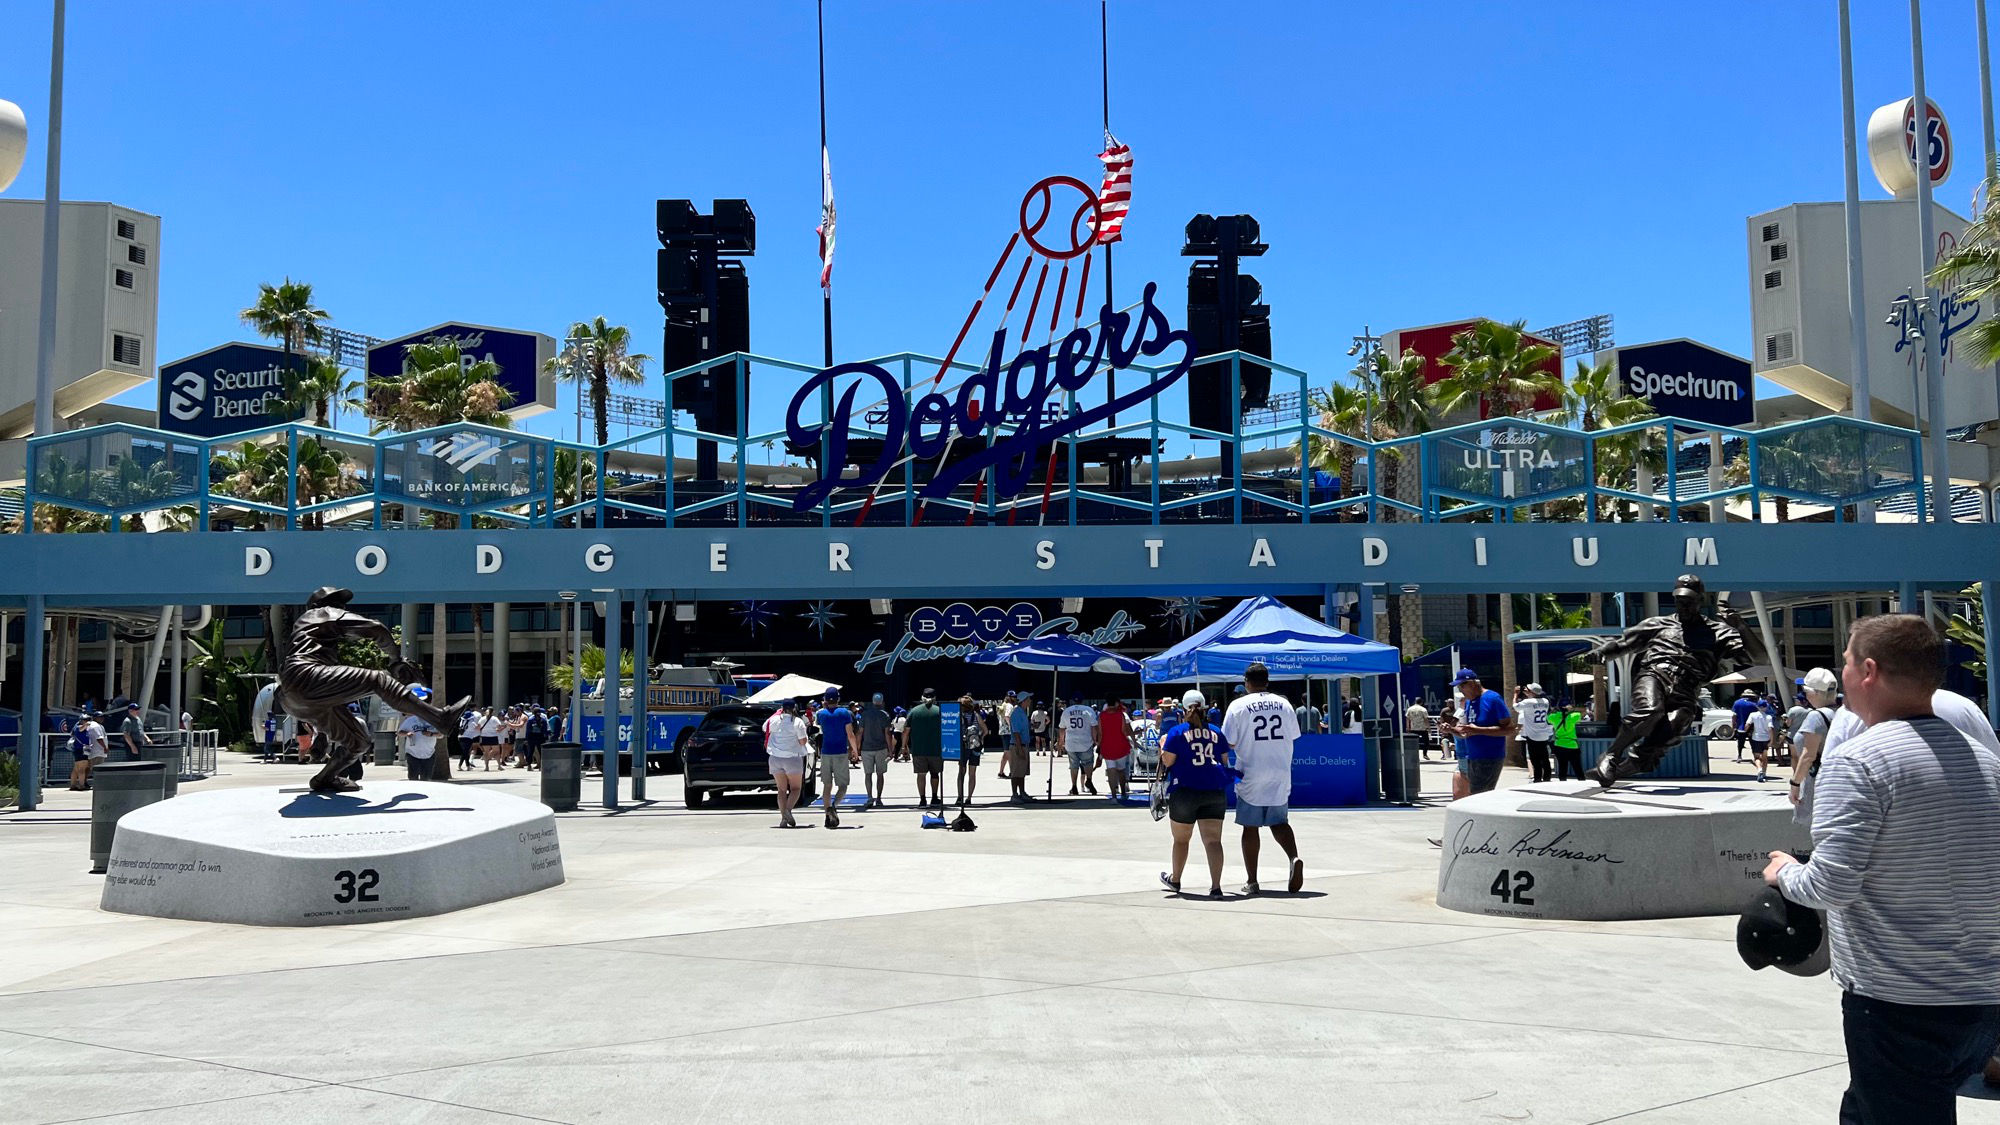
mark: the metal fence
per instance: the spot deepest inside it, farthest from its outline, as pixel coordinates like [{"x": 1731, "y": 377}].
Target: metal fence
[
  {"x": 198, "y": 754},
  {"x": 1024, "y": 468}
]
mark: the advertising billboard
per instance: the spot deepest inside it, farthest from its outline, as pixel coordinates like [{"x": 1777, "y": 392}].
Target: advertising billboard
[
  {"x": 1683, "y": 379},
  {"x": 1434, "y": 342},
  {"x": 225, "y": 390},
  {"x": 518, "y": 355}
]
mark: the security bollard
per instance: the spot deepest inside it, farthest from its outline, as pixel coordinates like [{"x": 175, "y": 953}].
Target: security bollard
[
  {"x": 116, "y": 789},
  {"x": 385, "y": 747},
  {"x": 170, "y": 750},
  {"x": 562, "y": 775}
]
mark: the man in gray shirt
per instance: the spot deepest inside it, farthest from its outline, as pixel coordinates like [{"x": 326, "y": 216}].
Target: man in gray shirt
[
  {"x": 874, "y": 722},
  {"x": 132, "y": 732},
  {"x": 1906, "y": 862}
]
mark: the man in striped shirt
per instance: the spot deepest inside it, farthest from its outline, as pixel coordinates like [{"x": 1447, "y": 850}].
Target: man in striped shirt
[{"x": 1906, "y": 861}]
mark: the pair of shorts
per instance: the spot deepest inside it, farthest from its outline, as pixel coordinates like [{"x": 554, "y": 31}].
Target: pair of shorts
[
  {"x": 1482, "y": 773},
  {"x": 1122, "y": 763},
  {"x": 790, "y": 767},
  {"x": 1082, "y": 759},
  {"x": 1185, "y": 806},
  {"x": 1261, "y": 816},
  {"x": 970, "y": 756},
  {"x": 489, "y": 740},
  {"x": 927, "y": 763},
  {"x": 833, "y": 770},
  {"x": 874, "y": 763}
]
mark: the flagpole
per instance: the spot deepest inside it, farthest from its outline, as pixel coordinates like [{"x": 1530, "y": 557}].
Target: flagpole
[
  {"x": 1104, "y": 74},
  {"x": 826, "y": 291}
]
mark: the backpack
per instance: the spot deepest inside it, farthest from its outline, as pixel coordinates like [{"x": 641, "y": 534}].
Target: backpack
[{"x": 963, "y": 823}]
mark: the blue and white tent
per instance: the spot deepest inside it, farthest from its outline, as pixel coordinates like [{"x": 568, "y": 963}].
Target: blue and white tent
[{"x": 1288, "y": 642}]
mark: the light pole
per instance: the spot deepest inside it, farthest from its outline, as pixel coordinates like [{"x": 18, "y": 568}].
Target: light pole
[
  {"x": 1933, "y": 363},
  {"x": 1369, "y": 347},
  {"x": 45, "y": 347}
]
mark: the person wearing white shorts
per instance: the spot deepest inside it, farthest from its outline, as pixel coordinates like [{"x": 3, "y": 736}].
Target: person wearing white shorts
[
  {"x": 785, "y": 745},
  {"x": 1262, "y": 727}
]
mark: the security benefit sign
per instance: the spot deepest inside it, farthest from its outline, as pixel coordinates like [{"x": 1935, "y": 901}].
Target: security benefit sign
[
  {"x": 520, "y": 356},
  {"x": 226, "y": 390},
  {"x": 1683, "y": 379}
]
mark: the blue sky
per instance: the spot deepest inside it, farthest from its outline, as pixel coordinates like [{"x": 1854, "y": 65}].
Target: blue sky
[{"x": 498, "y": 162}]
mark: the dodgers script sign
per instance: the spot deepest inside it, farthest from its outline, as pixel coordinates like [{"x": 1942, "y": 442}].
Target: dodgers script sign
[{"x": 1002, "y": 411}]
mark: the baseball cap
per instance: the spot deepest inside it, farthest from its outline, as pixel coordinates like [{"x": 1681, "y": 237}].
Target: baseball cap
[
  {"x": 1010, "y": 695},
  {"x": 1465, "y": 675},
  {"x": 789, "y": 704},
  {"x": 930, "y": 693},
  {"x": 833, "y": 693},
  {"x": 1687, "y": 584},
  {"x": 131, "y": 706},
  {"x": 1777, "y": 931},
  {"x": 1193, "y": 698},
  {"x": 876, "y": 698},
  {"x": 420, "y": 691},
  {"x": 1534, "y": 689},
  {"x": 1821, "y": 680}
]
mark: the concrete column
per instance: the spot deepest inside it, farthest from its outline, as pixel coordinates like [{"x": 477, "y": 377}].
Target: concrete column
[
  {"x": 502, "y": 651},
  {"x": 110, "y": 662},
  {"x": 1791, "y": 636},
  {"x": 642, "y": 635},
  {"x": 1371, "y": 704},
  {"x": 407, "y": 647},
  {"x": 34, "y": 651},
  {"x": 614, "y": 612},
  {"x": 1989, "y": 605}
]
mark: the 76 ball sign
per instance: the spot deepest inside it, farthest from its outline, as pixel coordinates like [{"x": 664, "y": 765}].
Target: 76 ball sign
[{"x": 1898, "y": 146}]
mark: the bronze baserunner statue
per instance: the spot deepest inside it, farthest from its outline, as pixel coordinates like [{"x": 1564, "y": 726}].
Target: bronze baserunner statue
[
  {"x": 315, "y": 687},
  {"x": 1678, "y": 654}
]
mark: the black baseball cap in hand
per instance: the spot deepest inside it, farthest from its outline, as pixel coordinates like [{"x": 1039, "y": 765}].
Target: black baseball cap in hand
[{"x": 1777, "y": 931}]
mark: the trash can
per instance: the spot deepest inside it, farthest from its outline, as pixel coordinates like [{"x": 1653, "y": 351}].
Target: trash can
[
  {"x": 117, "y": 788},
  {"x": 385, "y": 747},
  {"x": 562, "y": 775},
  {"x": 1402, "y": 778},
  {"x": 170, "y": 750}
]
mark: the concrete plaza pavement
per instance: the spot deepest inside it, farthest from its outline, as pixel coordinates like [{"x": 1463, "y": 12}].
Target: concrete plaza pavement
[{"x": 705, "y": 966}]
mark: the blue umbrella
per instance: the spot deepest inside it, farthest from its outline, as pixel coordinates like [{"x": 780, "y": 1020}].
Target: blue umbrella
[{"x": 1055, "y": 655}]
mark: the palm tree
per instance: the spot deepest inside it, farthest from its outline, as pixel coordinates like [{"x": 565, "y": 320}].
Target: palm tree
[
  {"x": 286, "y": 313},
  {"x": 1343, "y": 408},
  {"x": 438, "y": 388},
  {"x": 321, "y": 474},
  {"x": 597, "y": 353},
  {"x": 1972, "y": 271},
  {"x": 575, "y": 477},
  {"x": 317, "y": 389},
  {"x": 1496, "y": 368},
  {"x": 562, "y": 677}
]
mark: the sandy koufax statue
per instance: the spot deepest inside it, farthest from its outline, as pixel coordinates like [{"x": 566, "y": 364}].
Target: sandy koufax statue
[
  {"x": 1678, "y": 654},
  {"x": 314, "y": 687}
]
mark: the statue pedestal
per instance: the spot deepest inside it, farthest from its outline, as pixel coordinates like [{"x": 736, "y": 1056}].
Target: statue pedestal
[
  {"x": 290, "y": 857},
  {"x": 1568, "y": 849}
]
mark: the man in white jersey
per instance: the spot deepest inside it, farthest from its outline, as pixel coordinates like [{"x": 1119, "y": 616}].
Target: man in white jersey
[
  {"x": 1261, "y": 728},
  {"x": 1079, "y": 732},
  {"x": 1906, "y": 863}
]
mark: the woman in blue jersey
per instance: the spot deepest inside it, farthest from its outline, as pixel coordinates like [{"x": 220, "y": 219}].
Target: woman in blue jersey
[{"x": 1195, "y": 757}]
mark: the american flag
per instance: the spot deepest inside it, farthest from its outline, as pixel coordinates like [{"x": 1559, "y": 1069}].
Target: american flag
[
  {"x": 825, "y": 219},
  {"x": 1115, "y": 197}
]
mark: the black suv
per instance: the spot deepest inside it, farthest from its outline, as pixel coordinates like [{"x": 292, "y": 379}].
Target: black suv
[{"x": 726, "y": 752}]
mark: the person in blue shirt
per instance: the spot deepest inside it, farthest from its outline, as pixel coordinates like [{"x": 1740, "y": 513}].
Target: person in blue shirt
[
  {"x": 1195, "y": 757},
  {"x": 1480, "y": 722},
  {"x": 1745, "y": 703},
  {"x": 839, "y": 749}
]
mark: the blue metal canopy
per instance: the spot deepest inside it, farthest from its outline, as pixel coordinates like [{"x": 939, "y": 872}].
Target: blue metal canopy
[
  {"x": 1060, "y": 653},
  {"x": 1288, "y": 642}
]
